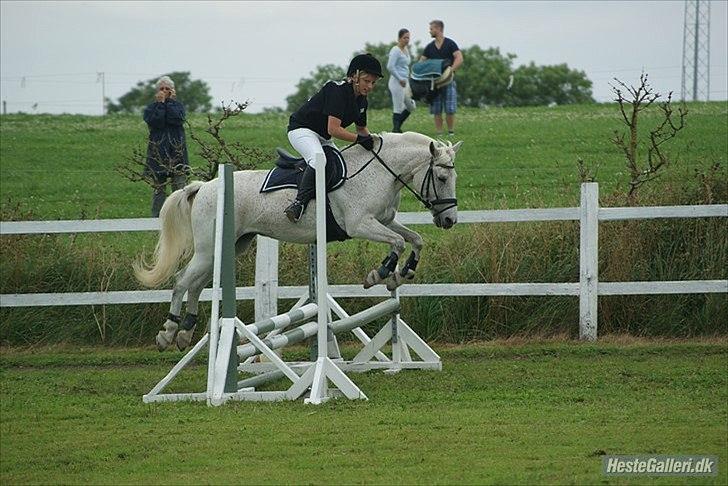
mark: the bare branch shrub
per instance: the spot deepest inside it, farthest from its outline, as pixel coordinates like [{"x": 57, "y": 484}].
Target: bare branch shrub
[
  {"x": 135, "y": 169},
  {"x": 220, "y": 151},
  {"x": 213, "y": 152},
  {"x": 633, "y": 101}
]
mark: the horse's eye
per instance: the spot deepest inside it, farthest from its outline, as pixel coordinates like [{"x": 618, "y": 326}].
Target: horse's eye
[{"x": 442, "y": 178}]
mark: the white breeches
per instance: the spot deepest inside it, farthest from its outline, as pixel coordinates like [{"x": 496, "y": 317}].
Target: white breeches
[
  {"x": 309, "y": 144},
  {"x": 400, "y": 96}
]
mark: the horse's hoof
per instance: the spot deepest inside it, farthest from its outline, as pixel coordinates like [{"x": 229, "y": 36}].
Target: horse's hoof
[
  {"x": 372, "y": 279},
  {"x": 395, "y": 280},
  {"x": 410, "y": 275},
  {"x": 184, "y": 338},
  {"x": 165, "y": 337}
]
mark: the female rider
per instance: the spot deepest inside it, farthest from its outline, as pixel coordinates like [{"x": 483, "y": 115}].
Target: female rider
[{"x": 336, "y": 106}]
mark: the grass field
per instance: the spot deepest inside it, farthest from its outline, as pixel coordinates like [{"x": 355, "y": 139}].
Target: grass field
[
  {"x": 62, "y": 167},
  {"x": 498, "y": 413}
]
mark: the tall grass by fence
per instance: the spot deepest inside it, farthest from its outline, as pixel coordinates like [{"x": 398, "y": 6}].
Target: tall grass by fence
[{"x": 545, "y": 252}]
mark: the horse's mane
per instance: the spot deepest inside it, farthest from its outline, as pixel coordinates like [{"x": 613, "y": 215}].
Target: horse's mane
[{"x": 419, "y": 138}]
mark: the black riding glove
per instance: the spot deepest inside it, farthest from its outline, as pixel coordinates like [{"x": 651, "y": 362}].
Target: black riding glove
[{"x": 365, "y": 141}]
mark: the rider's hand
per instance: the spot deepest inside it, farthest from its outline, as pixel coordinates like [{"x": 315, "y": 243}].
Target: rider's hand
[{"x": 365, "y": 141}]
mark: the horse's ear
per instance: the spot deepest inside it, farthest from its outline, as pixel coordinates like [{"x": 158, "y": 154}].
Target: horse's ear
[
  {"x": 456, "y": 147},
  {"x": 432, "y": 149}
]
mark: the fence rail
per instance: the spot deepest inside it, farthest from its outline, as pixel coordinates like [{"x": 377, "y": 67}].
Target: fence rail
[{"x": 588, "y": 214}]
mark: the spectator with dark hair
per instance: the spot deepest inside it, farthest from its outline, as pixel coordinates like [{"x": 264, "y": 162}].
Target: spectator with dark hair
[
  {"x": 398, "y": 66},
  {"x": 444, "y": 48},
  {"x": 167, "y": 148}
]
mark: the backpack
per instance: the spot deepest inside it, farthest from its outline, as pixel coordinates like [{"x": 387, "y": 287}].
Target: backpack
[{"x": 428, "y": 76}]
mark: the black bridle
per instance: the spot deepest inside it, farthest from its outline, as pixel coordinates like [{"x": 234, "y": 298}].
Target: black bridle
[{"x": 427, "y": 183}]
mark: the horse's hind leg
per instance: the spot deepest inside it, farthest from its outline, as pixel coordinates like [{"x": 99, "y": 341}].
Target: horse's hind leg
[
  {"x": 196, "y": 285},
  {"x": 199, "y": 267},
  {"x": 199, "y": 271},
  {"x": 166, "y": 336}
]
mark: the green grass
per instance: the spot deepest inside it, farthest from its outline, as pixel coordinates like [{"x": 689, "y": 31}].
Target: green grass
[
  {"x": 499, "y": 413},
  {"x": 62, "y": 167}
]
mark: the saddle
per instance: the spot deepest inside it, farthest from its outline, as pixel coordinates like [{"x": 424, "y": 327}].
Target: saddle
[
  {"x": 289, "y": 169},
  {"x": 287, "y": 174}
]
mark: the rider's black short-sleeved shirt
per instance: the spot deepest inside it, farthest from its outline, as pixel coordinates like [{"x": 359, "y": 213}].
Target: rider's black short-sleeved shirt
[{"x": 336, "y": 99}]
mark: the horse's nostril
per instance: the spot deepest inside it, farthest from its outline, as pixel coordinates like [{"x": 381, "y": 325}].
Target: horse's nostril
[{"x": 448, "y": 222}]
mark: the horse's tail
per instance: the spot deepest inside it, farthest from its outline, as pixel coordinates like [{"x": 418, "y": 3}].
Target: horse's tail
[{"x": 175, "y": 238}]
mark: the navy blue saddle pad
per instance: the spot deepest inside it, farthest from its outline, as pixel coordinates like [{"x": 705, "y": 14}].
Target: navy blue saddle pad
[
  {"x": 287, "y": 175},
  {"x": 289, "y": 169}
]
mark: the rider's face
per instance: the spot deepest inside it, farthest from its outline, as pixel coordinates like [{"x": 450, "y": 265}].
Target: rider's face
[{"x": 366, "y": 84}]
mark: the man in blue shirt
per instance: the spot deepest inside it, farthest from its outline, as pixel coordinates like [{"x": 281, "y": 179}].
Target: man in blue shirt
[{"x": 444, "y": 48}]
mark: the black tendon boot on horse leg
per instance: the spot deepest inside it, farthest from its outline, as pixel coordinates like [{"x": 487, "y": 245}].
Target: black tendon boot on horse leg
[
  {"x": 186, "y": 331},
  {"x": 306, "y": 192}
]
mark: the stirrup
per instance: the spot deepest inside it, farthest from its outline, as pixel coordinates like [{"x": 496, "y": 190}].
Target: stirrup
[{"x": 294, "y": 211}]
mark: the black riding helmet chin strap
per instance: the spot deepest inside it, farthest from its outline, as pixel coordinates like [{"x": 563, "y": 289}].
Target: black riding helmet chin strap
[{"x": 427, "y": 182}]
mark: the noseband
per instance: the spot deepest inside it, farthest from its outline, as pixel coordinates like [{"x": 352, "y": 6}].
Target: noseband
[{"x": 427, "y": 183}]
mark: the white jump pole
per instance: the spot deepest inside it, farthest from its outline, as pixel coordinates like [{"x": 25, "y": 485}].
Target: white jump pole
[
  {"x": 217, "y": 265},
  {"x": 324, "y": 369}
]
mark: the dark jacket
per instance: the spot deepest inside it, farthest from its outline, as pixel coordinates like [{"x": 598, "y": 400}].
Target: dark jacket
[{"x": 167, "y": 146}]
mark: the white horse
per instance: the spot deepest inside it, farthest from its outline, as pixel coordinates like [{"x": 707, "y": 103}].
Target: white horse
[{"x": 365, "y": 207}]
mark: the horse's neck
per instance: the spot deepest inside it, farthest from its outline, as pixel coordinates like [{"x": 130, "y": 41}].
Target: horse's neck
[{"x": 405, "y": 161}]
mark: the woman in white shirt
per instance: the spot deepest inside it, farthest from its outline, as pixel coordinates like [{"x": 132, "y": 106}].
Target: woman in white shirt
[{"x": 398, "y": 66}]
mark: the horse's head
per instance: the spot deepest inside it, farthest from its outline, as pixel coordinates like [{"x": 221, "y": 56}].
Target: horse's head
[{"x": 436, "y": 183}]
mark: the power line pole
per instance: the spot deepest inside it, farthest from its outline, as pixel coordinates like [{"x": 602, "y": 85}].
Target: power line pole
[
  {"x": 696, "y": 51},
  {"x": 101, "y": 77}
]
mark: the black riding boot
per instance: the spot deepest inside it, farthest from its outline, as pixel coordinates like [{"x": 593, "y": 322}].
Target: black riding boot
[
  {"x": 396, "y": 123},
  {"x": 402, "y": 117},
  {"x": 306, "y": 192}
]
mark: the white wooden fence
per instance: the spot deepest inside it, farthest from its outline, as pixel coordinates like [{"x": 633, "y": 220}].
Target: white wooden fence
[{"x": 266, "y": 283}]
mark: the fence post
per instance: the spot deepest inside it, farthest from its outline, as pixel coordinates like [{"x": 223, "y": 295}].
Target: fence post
[
  {"x": 588, "y": 261},
  {"x": 266, "y": 278}
]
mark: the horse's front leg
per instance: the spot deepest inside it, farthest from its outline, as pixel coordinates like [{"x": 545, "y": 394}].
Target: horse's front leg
[
  {"x": 373, "y": 230},
  {"x": 408, "y": 270}
]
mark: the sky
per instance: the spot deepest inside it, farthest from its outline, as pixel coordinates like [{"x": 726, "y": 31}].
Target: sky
[{"x": 51, "y": 53}]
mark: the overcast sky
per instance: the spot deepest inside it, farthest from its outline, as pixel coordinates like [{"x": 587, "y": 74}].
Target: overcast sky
[{"x": 51, "y": 52}]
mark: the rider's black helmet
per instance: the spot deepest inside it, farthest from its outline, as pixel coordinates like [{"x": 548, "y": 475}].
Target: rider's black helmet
[{"x": 365, "y": 62}]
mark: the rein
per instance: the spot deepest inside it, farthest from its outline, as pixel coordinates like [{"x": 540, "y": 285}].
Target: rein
[{"x": 427, "y": 182}]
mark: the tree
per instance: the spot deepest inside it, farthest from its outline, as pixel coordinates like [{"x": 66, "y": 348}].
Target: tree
[
  {"x": 307, "y": 87},
  {"x": 487, "y": 78},
  {"x": 632, "y": 101},
  {"x": 484, "y": 78},
  {"x": 379, "y": 98},
  {"x": 542, "y": 85},
  {"x": 194, "y": 95}
]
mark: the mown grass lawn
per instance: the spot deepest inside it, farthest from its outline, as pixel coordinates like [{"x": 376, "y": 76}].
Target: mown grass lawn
[
  {"x": 541, "y": 412},
  {"x": 62, "y": 167}
]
